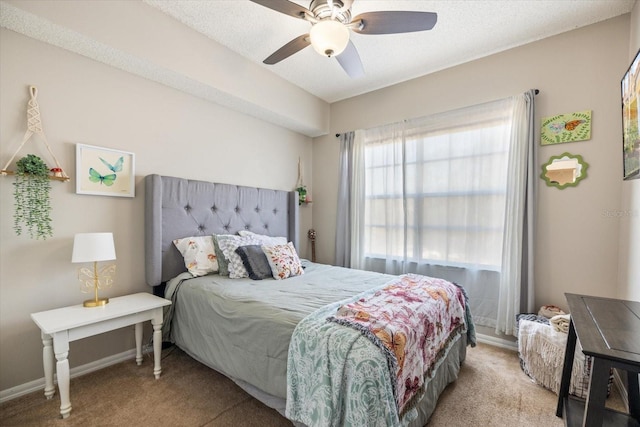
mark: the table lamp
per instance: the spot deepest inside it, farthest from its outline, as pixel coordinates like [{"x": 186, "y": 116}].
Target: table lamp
[{"x": 94, "y": 247}]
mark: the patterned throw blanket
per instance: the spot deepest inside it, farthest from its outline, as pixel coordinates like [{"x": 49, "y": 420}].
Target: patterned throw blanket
[
  {"x": 336, "y": 376},
  {"x": 411, "y": 319}
]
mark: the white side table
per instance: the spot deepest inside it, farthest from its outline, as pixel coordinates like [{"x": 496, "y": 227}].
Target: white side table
[{"x": 61, "y": 326}]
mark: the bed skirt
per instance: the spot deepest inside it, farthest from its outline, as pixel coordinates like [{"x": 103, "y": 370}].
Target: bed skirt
[{"x": 445, "y": 375}]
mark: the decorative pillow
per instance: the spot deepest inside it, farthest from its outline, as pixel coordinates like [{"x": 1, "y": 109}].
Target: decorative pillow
[
  {"x": 266, "y": 240},
  {"x": 223, "y": 268},
  {"x": 255, "y": 261},
  {"x": 199, "y": 254},
  {"x": 283, "y": 260},
  {"x": 234, "y": 262}
]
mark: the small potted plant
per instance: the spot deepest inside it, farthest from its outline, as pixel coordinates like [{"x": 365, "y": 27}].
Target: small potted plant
[
  {"x": 31, "y": 196},
  {"x": 302, "y": 194}
]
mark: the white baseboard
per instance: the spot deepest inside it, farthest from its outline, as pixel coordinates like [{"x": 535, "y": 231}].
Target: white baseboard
[
  {"x": 497, "y": 342},
  {"x": 617, "y": 381},
  {"x": 35, "y": 385}
]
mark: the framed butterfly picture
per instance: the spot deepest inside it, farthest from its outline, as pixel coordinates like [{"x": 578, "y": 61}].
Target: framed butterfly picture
[
  {"x": 569, "y": 127},
  {"x": 104, "y": 171}
]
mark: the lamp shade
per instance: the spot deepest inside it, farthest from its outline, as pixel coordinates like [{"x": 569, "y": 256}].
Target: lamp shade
[
  {"x": 329, "y": 37},
  {"x": 90, "y": 247}
]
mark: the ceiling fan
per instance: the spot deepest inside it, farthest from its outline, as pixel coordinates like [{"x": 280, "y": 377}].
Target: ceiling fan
[{"x": 331, "y": 21}]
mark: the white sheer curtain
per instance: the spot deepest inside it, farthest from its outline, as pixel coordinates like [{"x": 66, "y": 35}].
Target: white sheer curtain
[
  {"x": 516, "y": 278},
  {"x": 429, "y": 196}
]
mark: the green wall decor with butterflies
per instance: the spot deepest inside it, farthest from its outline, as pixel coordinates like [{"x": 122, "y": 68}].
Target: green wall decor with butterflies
[{"x": 569, "y": 127}]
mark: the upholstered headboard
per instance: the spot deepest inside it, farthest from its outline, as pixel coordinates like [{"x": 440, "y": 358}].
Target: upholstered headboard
[{"x": 176, "y": 208}]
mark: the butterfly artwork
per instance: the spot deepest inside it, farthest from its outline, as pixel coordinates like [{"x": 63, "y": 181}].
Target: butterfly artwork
[
  {"x": 573, "y": 124},
  {"x": 105, "y": 172},
  {"x": 88, "y": 276},
  {"x": 558, "y": 127},
  {"x": 107, "y": 180},
  {"x": 566, "y": 128},
  {"x": 116, "y": 167}
]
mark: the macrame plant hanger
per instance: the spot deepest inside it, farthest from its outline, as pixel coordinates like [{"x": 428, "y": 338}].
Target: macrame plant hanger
[
  {"x": 34, "y": 125},
  {"x": 300, "y": 187}
]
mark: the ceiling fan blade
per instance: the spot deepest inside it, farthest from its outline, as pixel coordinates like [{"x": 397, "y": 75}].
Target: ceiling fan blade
[
  {"x": 349, "y": 60},
  {"x": 394, "y": 21},
  {"x": 288, "y": 49},
  {"x": 284, "y": 6}
]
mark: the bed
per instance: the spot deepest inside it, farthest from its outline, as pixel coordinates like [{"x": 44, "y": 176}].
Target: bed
[{"x": 254, "y": 331}]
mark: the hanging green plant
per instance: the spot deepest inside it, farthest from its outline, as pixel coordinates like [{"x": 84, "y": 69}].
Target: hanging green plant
[
  {"x": 31, "y": 196},
  {"x": 302, "y": 194}
]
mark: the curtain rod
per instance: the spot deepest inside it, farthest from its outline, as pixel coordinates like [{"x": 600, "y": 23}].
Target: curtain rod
[{"x": 535, "y": 91}]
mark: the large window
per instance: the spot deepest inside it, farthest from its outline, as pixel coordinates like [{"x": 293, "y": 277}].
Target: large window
[{"x": 435, "y": 192}]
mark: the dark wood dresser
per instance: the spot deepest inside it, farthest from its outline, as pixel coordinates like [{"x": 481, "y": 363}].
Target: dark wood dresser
[{"x": 609, "y": 331}]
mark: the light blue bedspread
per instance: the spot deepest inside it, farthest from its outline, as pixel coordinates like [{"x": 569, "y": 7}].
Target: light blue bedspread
[{"x": 242, "y": 327}]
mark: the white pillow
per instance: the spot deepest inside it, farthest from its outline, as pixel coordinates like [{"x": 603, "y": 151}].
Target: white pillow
[
  {"x": 199, "y": 254},
  {"x": 266, "y": 240},
  {"x": 228, "y": 246},
  {"x": 283, "y": 260}
]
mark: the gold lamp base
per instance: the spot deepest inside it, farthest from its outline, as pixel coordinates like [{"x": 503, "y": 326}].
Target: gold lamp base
[
  {"x": 104, "y": 272},
  {"x": 98, "y": 302}
]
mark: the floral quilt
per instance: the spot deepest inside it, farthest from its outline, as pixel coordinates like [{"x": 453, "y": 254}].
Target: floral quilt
[
  {"x": 368, "y": 373},
  {"x": 410, "y": 320}
]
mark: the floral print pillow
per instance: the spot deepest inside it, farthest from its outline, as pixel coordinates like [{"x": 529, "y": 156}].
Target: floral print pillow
[
  {"x": 199, "y": 254},
  {"x": 283, "y": 260}
]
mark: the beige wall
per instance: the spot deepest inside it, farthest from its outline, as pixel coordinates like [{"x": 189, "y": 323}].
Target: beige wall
[
  {"x": 170, "y": 132},
  {"x": 577, "y": 238},
  {"x": 629, "y": 272}
]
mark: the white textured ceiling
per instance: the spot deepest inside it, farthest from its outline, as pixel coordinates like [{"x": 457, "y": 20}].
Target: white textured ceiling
[{"x": 466, "y": 30}]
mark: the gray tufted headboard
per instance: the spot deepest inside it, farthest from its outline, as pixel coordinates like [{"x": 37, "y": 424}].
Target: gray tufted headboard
[{"x": 176, "y": 208}]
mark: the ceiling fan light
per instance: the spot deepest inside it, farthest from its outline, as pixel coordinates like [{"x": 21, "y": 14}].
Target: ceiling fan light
[{"x": 329, "y": 37}]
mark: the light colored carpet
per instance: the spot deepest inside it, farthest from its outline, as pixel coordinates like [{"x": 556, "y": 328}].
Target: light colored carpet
[{"x": 491, "y": 391}]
